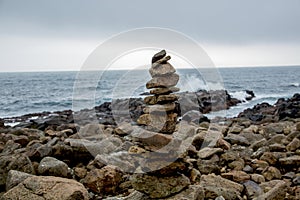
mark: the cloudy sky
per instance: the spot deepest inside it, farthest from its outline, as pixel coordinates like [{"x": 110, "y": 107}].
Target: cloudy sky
[{"x": 54, "y": 35}]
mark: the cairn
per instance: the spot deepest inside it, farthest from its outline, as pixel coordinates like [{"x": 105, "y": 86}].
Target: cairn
[{"x": 159, "y": 114}]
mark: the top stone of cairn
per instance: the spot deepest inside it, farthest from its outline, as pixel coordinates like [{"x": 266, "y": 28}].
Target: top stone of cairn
[{"x": 161, "y": 66}]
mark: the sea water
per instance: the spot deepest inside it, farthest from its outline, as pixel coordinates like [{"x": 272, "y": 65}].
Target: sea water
[{"x": 31, "y": 92}]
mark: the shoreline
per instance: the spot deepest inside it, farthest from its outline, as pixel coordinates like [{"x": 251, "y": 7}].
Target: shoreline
[
  {"x": 201, "y": 95},
  {"x": 253, "y": 156}
]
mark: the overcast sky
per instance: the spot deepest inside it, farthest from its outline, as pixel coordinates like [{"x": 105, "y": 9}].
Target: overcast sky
[{"x": 54, "y": 35}]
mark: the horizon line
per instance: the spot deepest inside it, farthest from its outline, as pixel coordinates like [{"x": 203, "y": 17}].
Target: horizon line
[{"x": 120, "y": 69}]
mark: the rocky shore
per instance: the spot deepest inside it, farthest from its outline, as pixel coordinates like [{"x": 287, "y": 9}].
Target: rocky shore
[{"x": 253, "y": 156}]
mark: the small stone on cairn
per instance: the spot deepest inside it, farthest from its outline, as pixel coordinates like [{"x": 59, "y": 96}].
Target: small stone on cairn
[{"x": 159, "y": 114}]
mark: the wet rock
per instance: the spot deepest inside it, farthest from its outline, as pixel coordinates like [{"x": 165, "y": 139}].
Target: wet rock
[
  {"x": 103, "y": 181},
  {"x": 15, "y": 177},
  {"x": 53, "y": 167},
  {"x": 47, "y": 187},
  {"x": 159, "y": 187}
]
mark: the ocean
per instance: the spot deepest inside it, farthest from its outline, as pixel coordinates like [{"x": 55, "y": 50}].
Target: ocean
[{"x": 31, "y": 92}]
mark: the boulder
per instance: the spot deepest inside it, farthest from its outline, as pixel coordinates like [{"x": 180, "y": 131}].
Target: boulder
[
  {"x": 47, "y": 187},
  {"x": 50, "y": 166}
]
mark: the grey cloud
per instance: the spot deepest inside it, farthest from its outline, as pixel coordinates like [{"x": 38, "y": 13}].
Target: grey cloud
[{"x": 231, "y": 21}]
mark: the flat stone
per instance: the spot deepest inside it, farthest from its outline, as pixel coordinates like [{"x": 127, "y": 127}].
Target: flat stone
[
  {"x": 215, "y": 186},
  {"x": 236, "y": 139},
  {"x": 151, "y": 100},
  {"x": 159, "y": 91},
  {"x": 159, "y": 56},
  {"x": 160, "y": 108},
  {"x": 207, "y": 152},
  {"x": 159, "y": 187},
  {"x": 124, "y": 128},
  {"x": 237, "y": 176},
  {"x": 193, "y": 192},
  {"x": 151, "y": 140},
  {"x": 292, "y": 160},
  {"x": 47, "y": 187},
  {"x": 164, "y": 60},
  {"x": 161, "y": 70},
  {"x": 159, "y": 123},
  {"x": 163, "y": 81}
]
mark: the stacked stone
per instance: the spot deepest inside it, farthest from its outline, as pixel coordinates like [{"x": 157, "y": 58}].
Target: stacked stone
[{"x": 159, "y": 114}]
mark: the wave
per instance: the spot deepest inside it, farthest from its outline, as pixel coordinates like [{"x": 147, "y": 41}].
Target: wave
[
  {"x": 294, "y": 84},
  {"x": 193, "y": 83}
]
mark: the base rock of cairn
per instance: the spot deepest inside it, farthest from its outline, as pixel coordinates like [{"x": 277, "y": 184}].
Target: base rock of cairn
[{"x": 159, "y": 114}]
